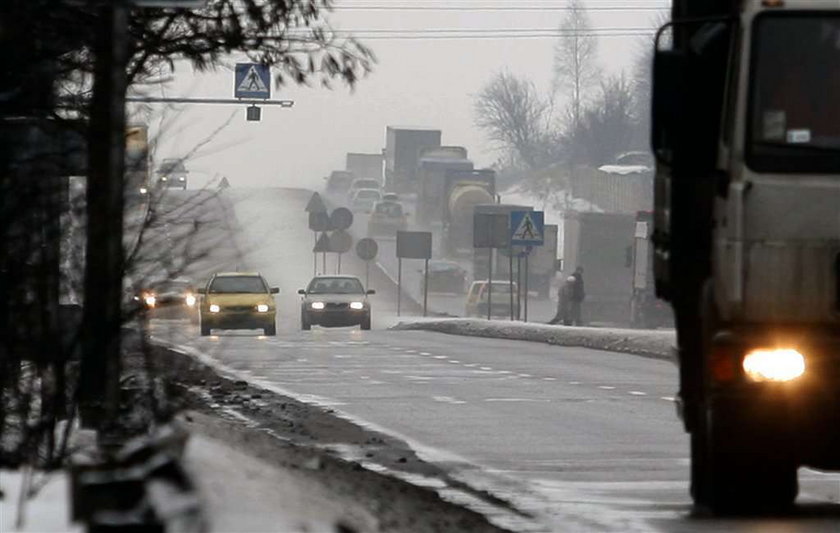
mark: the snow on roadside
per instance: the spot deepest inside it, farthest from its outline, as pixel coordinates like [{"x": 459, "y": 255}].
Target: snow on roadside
[
  {"x": 47, "y": 512},
  {"x": 658, "y": 344}
]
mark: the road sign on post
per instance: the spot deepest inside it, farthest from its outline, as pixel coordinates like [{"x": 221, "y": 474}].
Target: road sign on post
[
  {"x": 367, "y": 249},
  {"x": 490, "y": 230},
  {"x": 316, "y": 204},
  {"x": 341, "y": 219},
  {"x": 340, "y": 243},
  {"x": 252, "y": 80},
  {"x": 412, "y": 245},
  {"x": 527, "y": 228}
]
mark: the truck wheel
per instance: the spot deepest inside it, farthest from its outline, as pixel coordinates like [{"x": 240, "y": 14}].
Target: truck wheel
[
  {"x": 743, "y": 472},
  {"x": 305, "y": 325}
]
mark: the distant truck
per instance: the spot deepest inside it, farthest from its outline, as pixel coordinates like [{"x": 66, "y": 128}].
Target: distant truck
[
  {"x": 463, "y": 191},
  {"x": 402, "y": 153},
  {"x": 365, "y": 165},
  {"x": 137, "y": 165},
  {"x": 433, "y": 166},
  {"x": 602, "y": 244}
]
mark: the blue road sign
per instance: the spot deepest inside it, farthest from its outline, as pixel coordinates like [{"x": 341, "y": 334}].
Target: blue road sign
[
  {"x": 252, "y": 80},
  {"x": 527, "y": 228}
]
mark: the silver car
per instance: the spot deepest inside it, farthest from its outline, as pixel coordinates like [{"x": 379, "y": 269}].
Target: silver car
[{"x": 335, "y": 301}]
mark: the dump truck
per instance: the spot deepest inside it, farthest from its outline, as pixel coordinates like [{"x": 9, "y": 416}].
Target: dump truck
[
  {"x": 745, "y": 129},
  {"x": 601, "y": 244},
  {"x": 402, "y": 153}
]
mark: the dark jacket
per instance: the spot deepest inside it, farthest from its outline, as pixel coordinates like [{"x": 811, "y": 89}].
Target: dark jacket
[{"x": 578, "y": 292}]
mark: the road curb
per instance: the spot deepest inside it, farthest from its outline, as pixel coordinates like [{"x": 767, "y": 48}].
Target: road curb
[{"x": 653, "y": 344}]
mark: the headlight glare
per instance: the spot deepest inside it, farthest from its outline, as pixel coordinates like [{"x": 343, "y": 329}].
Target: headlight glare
[
  {"x": 317, "y": 305},
  {"x": 214, "y": 308},
  {"x": 262, "y": 308},
  {"x": 189, "y": 300},
  {"x": 774, "y": 364},
  {"x": 357, "y": 305},
  {"x": 150, "y": 300}
]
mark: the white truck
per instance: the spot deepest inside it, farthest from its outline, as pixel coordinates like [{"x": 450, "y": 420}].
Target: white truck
[{"x": 746, "y": 133}]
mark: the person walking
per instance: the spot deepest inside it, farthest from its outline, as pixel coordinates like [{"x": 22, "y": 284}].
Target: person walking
[
  {"x": 578, "y": 295},
  {"x": 565, "y": 296}
]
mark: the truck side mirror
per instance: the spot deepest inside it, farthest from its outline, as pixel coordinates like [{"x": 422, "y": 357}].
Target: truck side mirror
[{"x": 668, "y": 103}]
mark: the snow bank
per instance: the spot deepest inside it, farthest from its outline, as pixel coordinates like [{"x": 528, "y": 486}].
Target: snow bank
[{"x": 651, "y": 343}]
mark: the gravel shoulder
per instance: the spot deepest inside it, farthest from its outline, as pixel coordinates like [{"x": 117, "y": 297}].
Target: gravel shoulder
[{"x": 658, "y": 344}]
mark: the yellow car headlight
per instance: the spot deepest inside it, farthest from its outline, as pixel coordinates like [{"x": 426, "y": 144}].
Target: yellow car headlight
[
  {"x": 357, "y": 305},
  {"x": 317, "y": 305},
  {"x": 214, "y": 308},
  {"x": 262, "y": 308},
  {"x": 189, "y": 300},
  {"x": 774, "y": 364}
]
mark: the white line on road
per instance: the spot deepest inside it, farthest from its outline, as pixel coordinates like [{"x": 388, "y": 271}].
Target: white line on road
[
  {"x": 606, "y": 387},
  {"x": 637, "y": 393},
  {"x": 425, "y": 353},
  {"x": 667, "y": 398},
  {"x": 486, "y": 368}
]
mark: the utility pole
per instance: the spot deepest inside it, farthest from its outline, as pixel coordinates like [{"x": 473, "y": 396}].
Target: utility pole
[{"x": 100, "y": 369}]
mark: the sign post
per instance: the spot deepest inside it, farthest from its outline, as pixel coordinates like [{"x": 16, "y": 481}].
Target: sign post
[
  {"x": 367, "y": 249},
  {"x": 322, "y": 246},
  {"x": 340, "y": 243},
  {"x": 490, "y": 230},
  {"x": 319, "y": 221},
  {"x": 527, "y": 228},
  {"x": 412, "y": 245}
]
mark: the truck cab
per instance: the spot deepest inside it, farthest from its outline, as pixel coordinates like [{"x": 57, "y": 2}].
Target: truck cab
[{"x": 746, "y": 133}]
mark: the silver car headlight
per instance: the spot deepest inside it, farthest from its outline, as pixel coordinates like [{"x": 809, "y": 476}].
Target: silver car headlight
[
  {"x": 357, "y": 305},
  {"x": 317, "y": 305}
]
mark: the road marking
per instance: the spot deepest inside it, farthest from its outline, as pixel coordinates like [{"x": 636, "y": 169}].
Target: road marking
[
  {"x": 448, "y": 399},
  {"x": 470, "y": 365},
  {"x": 454, "y": 362},
  {"x": 525, "y": 375},
  {"x": 574, "y": 383},
  {"x": 425, "y": 353},
  {"x": 440, "y": 357},
  {"x": 485, "y": 368},
  {"x": 668, "y": 398},
  {"x": 606, "y": 387},
  {"x": 637, "y": 393},
  {"x": 411, "y": 351},
  {"x": 549, "y": 379},
  {"x": 517, "y": 400}
]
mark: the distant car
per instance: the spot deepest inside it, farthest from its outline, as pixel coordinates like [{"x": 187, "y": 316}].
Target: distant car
[
  {"x": 172, "y": 173},
  {"x": 364, "y": 200},
  {"x": 390, "y": 197},
  {"x": 446, "y": 276},
  {"x": 335, "y": 301},
  {"x": 478, "y": 296},
  {"x": 340, "y": 181},
  {"x": 175, "y": 298},
  {"x": 386, "y": 219},
  {"x": 363, "y": 183},
  {"x": 238, "y": 300}
]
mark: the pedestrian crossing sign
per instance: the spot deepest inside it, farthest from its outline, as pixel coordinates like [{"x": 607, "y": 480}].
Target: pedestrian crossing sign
[
  {"x": 527, "y": 228},
  {"x": 252, "y": 80}
]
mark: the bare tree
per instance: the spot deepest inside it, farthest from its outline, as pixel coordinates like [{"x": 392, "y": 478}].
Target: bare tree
[
  {"x": 608, "y": 127},
  {"x": 511, "y": 112},
  {"x": 576, "y": 68}
]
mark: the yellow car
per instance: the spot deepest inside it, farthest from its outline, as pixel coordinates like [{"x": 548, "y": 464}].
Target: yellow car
[{"x": 238, "y": 300}]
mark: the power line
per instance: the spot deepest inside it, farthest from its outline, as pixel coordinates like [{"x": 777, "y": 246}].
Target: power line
[{"x": 373, "y": 7}]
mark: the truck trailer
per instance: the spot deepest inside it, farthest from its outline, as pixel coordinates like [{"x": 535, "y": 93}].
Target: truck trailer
[
  {"x": 601, "y": 244},
  {"x": 365, "y": 165},
  {"x": 402, "y": 153},
  {"x": 746, "y": 135}
]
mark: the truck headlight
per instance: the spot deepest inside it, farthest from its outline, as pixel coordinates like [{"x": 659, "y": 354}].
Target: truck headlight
[
  {"x": 262, "y": 308},
  {"x": 214, "y": 308},
  {"x": 150, "y": 300},
  {"x": 774, "y": 364},
  {"x": 357, "y": 305},
  {"x": 317, "y": 305},
  {"x": 182, "y": 179}
]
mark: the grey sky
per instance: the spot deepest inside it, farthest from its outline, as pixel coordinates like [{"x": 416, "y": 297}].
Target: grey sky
[{"x": 426, "y": 82}]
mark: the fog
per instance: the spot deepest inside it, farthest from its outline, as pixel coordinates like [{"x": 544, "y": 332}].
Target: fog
[{"x": 426, "y": 81}]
